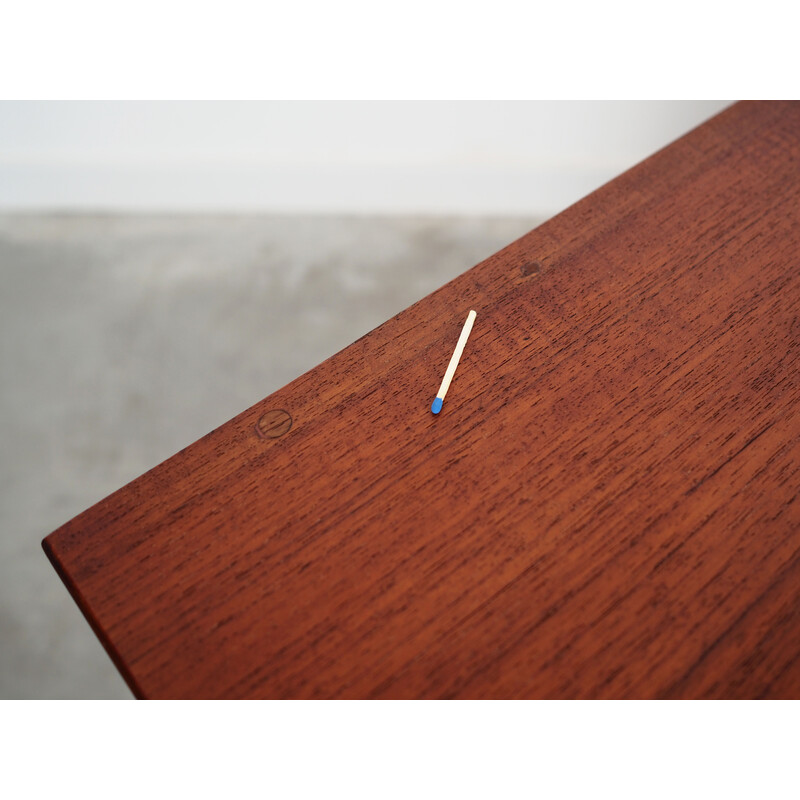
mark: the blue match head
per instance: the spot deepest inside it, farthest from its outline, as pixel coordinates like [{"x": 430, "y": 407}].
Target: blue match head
[{"x": 437, "y": 405}]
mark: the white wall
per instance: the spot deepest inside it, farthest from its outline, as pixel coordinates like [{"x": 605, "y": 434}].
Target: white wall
[{"x": 531, "y": 158}]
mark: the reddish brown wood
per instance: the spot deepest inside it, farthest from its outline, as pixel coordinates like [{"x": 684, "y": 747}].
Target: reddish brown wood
[{"x": 605, "y": 507}]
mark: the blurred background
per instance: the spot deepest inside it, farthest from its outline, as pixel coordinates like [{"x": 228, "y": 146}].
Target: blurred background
[{"x": 165, "y": 265}]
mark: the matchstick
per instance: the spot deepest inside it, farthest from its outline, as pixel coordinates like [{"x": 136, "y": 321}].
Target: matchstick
[{"x": 451, "y": 367}]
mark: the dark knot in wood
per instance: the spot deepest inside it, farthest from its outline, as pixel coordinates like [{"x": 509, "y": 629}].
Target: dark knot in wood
[{"x": 530, "y": 268}]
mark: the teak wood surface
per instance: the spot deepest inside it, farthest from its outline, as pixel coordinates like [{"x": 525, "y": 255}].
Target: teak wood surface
[{"x": 605, "y": 507}]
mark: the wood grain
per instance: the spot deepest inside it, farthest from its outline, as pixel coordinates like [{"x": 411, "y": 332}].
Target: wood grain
[{"x": 605, "y": 507}]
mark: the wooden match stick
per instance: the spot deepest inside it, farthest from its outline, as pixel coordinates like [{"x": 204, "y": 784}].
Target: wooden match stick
[{"x": 451, "y": 367}]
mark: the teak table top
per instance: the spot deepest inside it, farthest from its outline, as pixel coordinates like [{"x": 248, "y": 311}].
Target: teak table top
[{"x": 605, "y": 507}]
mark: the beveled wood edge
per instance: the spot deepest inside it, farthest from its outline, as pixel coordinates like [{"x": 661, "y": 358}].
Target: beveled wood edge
[{"x": 83, "y": 605}]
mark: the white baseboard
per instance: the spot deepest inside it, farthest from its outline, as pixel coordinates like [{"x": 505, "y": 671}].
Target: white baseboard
[
  {"x": 381, "y": 158},
  {"x": 327, "y": 189}
]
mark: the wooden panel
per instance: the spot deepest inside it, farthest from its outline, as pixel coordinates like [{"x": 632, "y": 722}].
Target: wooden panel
[{"x": 605, "y": 506}]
